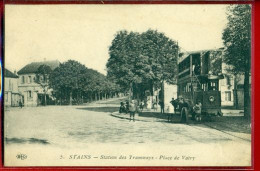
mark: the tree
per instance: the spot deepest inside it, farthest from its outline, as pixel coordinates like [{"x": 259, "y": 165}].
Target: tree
[
  {"x": 42, "y": 78},
  {"x": 141, "y": 61},
  {"x": 237, "y": 40},
  {"x": 68, "y": 79}
]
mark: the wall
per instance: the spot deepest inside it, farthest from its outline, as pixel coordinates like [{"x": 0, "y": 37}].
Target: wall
[
  {"x": 11, "y": 94},
  {"x": 11, "y": 84}
]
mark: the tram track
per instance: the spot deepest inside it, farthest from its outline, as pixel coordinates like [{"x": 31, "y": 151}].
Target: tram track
[{"x": 230, "y": 134}]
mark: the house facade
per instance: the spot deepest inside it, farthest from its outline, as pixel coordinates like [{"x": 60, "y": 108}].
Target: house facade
[
  {"x": 12, "y": 97},
  {"x": 226, "y": 87},
  {"x": 32, "y": 91}
]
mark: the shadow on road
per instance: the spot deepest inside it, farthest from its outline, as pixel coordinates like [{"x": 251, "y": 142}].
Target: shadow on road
[
  {"x": 101, "y": 109},
  {"x": 25, "y": 140}
]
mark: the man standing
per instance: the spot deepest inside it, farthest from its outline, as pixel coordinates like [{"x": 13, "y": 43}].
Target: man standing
[
  {"x": 132, "y": 110},
  {"x": 174, "y": 104},
  {"x": 161, "y": 103}
]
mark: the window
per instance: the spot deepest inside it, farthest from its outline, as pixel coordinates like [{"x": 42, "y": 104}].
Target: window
[
  {"x": 6, "y": 97},
  {"x": 29, "y": 79},
  {"x": 204, "y": 86},
  {"x": 228, "y": 80},
  {"x": 22, "y": 81},
  {"x": 29, "y": 95},
  {"x": 227, "y": 95},
  {"x": 10, "y": 85},
  {"x": 213, "y": 85}
]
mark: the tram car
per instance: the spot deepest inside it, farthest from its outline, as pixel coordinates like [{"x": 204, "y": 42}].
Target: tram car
[{"x": 198, "y": 84}]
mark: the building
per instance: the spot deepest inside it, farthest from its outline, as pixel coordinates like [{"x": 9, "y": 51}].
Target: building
[
  {"x": 32, "y": 91},
  {"x": 227, "y": 86},
  {"x": 232, "y": 88},
  {"x": 12, "y": 97}
]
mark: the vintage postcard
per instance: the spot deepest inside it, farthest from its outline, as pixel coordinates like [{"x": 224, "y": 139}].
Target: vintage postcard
[{"x": 127, "y": 85}]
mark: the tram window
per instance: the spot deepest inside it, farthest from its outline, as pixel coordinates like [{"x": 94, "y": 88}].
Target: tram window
[
  {"x": 213, "y": 85},
  {"x": 203, "y": 87}
]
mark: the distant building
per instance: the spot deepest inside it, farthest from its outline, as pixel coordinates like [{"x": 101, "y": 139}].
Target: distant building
[
  {"x": 12, "y": 97},
  {"x": 33, "y": 92}
]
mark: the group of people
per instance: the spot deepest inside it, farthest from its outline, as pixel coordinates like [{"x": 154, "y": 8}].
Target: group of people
[
  {"x": 178, "y": 104},
  {"x": 132, "y": 107},
  {"x": 129, "y": 108}
]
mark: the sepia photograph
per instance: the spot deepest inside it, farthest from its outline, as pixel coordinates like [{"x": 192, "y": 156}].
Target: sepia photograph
[{"x": 127, "y": 85}]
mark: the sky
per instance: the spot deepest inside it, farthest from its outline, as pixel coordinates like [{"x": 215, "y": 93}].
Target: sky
[{"x": 84, "y": 33}]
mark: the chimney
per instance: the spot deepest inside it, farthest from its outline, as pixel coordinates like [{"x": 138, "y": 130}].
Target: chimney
[{"x": 15, "y": 72}]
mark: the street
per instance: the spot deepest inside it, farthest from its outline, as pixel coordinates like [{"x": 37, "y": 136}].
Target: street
[{"x": 82, "y": 126}]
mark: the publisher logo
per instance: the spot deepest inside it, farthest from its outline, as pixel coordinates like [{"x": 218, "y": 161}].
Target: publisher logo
[{"x": 21, "y": 156}]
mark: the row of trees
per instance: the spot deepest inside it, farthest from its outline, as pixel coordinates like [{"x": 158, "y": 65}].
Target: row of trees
[
  {"x": 72, "y": 82},
  {"x": 140, "y": 61}
]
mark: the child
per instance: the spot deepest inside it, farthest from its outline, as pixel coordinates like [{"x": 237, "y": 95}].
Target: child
[{"x": 197, "y": 111}]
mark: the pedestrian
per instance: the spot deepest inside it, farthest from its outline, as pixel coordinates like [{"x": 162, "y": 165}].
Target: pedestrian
[
  {"x": 197, "y": 111},
  {"x": 122, "y": 108},
  {"x": 141, "y": 106},
  {"x": 20, "y": 104},
  {"x": 183, "y": 106},
  {"x": 174, "y": 103},
  {"x": 132, "y": 110},
  {"x": 161, "y": 103},
  {"x": 127, "y": 106},
  {"x": 155, "y": 105}
]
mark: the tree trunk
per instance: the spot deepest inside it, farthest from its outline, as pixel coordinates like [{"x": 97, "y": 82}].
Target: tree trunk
[
  {"x": 45, "y": 99},
  {"x": 71, "y": 97},
  {"x": 78, "y": 97},
  {"x": 95, "y": 96},
  {"x": 247, "y": 100},
  {"x": 60, "y": 97},
  {"x": 235, "y": 92}
]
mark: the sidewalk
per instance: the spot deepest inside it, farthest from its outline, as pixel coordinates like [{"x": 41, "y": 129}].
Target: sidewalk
[
  {"x": 154, "y": 115},
  {"x": 232, "y": 112},
  {"x": 232, "y": 122},
  {"x": 138, "y": 117}
]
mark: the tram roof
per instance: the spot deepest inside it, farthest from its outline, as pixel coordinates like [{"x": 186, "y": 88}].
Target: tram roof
[{"x": 185, "y": 55}]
